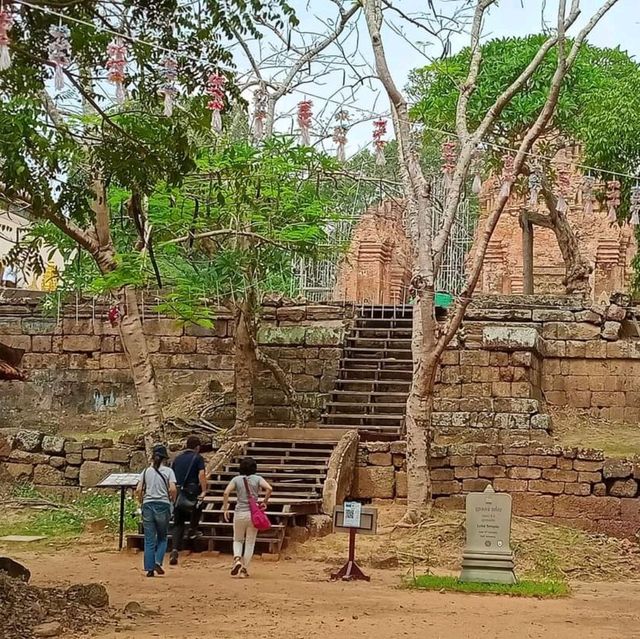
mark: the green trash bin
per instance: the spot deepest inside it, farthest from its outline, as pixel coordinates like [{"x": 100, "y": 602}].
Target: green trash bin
[{"x": 443, "y": 300}]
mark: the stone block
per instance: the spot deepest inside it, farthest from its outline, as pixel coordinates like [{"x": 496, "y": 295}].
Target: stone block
[
  {"x": 115, "y": 455},
  {"x": 474, "y": 485},
  {"x": 28, "y": 440},
  {"x": 583, "y": 489},
  {"x": 57, "y": 462},
  {"x": 322, "y": 336},
  {"x": 398, "y": 448},
  {"x": 138, "y": 461},
  {"x": 462, "y": 460},
  {"x": 615, "y": 313},
  {"x": 509, "y": 485},
  {"x": 546, "y": 487},
  {"x": 71, "y": 446},
  {"x": 401, "y": 484},
  {"x": 47, "y": 476},
  {"x": 611, "y": 331},
  {"x": 600, "y": 490},
  {"x": 486, "y": 460},
  {"x": 510, "y": 338},
  {"x": 380, "y": 459},
  {"x": 593, "y": 478},
  {"x": 90, "y": 454},
  {"x": 399, "y": 461},
  {"x": 80, "y": 343},
  {"x": 617, "y": 469},
  {"x": 624, "y": 488},
  {"x": 72, "y": 473},
  {"x": 557, "y": 474},
  {"x": 453, "y": 502},
  {"x": 630, "y": 509},
  {"x": 442, "y": 474},
  {"x": 519, "y": 472},
  {"x": 23, "y": 457},
  {"x": 377, "y": 447},
  {"x": 465, "y": 472},
  {"x": 21, "y": 342},
  {"x": 163, "y": 326},
  {"x": 41, "y": 343},
  {"x": 492, "y": 471},
  {"x": 571, "y": 506},
  {"x": 446, "y": 487},
  {"x": 528, "y": 505},
  {"x": 19, "y": 472},
  {"x": 542, "y": 461},
  {"x": 513, "y": 460},
  {"x": 589, "y": 466},
  {"x": 10, "y": 326},
  {"x": 53, "y": 444},
  {"x": 93, "y": 472}
]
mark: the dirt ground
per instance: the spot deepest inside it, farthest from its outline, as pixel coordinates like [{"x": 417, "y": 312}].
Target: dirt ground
[{"x": 293, "y": 599}]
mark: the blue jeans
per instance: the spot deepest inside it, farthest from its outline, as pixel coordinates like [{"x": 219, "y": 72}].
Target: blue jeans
[{"x": 155, "y": 519}]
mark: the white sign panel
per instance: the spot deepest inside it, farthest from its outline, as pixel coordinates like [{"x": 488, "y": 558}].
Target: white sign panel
[{"x": 352, "y": 514}]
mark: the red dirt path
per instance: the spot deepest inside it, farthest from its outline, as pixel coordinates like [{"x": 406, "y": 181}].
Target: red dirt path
[{"x": 293, "y": 599}]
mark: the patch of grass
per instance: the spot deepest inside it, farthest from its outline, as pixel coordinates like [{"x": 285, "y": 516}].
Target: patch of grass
[
  {"x": 541, "y": 589},
  {"x": 70, "y": 519}
]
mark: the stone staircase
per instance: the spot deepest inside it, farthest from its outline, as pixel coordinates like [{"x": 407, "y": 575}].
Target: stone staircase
[
  {"x": 296, "y": 468},
  {"x": 374, "y": 375}
]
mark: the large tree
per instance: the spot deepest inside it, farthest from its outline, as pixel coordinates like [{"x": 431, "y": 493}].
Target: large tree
[
  {"x": 429, "y": 338},
  {"x": 598, "y": 109},
  {"x": 62, "y": 150}
]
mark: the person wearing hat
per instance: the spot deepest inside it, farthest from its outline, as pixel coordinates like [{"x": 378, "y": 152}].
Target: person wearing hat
[{"x": 156, "y": 492}]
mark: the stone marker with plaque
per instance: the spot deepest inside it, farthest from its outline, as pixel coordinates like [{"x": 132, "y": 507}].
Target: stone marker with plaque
[{"x": 487, "y": 555}]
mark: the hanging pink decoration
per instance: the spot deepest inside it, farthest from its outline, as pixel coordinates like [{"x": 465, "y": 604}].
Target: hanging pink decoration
[
  {"x": 305, "y": 116},
  {"x": 114, "y": 316},
  {"x": 379, "y": 144},
  {"x": 613, "y": 199},
  {"x": 340, "y": 134},
  {"x": 215, "y": 89},
  {"x": 6, "y": 22},
  {"x": 564, "y": 188},
  {"x": 588, "y": 184},
  {"x": 59, "y": 53},
  {"x": 260, "y": 102},
  {"x": 116, "y": 66},
  {"x": 634, "y": 207},
  {"x": 476, "y": 185},
  {"x": 168, "y": 89},
  {"x": 449, "y": 158},
  {"x": 507, "y": 176}
]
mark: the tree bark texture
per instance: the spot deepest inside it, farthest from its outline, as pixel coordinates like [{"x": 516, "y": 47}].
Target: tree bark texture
[
  {"x": 285, "y": 385},
  {"x": 245, "y": 368},
  {"x": 134, "y": 343}
]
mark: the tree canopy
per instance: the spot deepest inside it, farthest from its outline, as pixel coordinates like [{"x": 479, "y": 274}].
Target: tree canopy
[{"x": 599, "y": 104}]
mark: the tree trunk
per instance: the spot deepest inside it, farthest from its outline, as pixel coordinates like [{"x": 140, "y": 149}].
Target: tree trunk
[
  {"x": 578, "y": 270},
  {"x": 245, "y": 368},
  {"x": 281, "y": 378},
  {"x": 134, "y": 343},
  {"x": 419, "y": 407}
]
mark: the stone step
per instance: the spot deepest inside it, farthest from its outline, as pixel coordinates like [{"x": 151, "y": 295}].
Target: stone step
[
  {"x": 363, "y": 417},
  {"x": 267, "y": 474}
]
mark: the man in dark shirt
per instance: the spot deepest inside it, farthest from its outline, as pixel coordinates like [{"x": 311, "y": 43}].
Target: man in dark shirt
[{"x": 191, "y": 479}]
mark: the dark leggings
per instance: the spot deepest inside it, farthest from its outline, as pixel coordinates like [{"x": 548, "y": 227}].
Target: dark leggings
[{"x": 180, "y": 519}]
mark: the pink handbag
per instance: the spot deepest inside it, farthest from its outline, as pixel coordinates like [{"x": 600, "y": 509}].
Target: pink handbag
[{"x": 258, "y": 517}]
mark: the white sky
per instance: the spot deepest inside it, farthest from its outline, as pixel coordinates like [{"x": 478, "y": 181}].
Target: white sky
[{"x": 620, "y": 27}]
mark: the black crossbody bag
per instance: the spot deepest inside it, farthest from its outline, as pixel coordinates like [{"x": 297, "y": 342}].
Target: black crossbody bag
[{"x": 186, "y": 501}]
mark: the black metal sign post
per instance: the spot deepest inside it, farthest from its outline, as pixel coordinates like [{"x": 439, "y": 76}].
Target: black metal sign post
[
  {"x": 121, "y": 481},
  {"x": 359, "y": 520}
]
